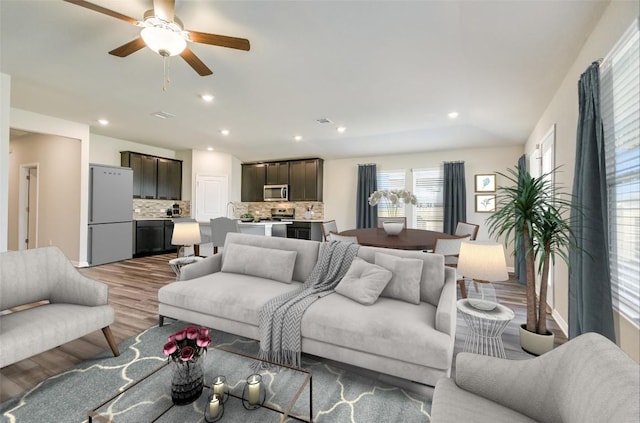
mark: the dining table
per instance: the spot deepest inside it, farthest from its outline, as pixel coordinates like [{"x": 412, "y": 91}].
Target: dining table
[{"x": 408, "y": 239}]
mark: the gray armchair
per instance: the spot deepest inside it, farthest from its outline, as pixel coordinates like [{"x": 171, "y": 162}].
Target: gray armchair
[
  {"x": 66, "y": 304},
  {"x": 586, "y": 380}
]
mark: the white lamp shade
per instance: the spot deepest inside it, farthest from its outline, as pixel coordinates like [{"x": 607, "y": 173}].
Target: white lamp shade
[
  {"x": 482, "y": 261},
  {"x": 186, "y": 233},
  {"x": 161, "y": 39}
]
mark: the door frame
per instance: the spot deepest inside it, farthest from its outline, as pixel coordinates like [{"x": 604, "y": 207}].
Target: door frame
[{"x": 27, "y": 212}]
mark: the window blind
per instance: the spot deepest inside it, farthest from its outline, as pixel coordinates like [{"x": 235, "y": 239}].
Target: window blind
[
  {"x": 428, "y": 189},
  {"x": 390, "y": 179},
  {"x": 620, "y": 107}
]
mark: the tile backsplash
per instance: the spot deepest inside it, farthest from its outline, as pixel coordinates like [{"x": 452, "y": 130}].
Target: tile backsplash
[{"x": 158, "y": 208}]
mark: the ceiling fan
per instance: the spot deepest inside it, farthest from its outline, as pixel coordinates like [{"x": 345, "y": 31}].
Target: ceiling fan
[{"x": 164, "y": 33}]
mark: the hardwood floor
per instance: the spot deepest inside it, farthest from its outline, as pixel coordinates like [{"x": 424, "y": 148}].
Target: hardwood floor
[{"x": 133, "y": 286}]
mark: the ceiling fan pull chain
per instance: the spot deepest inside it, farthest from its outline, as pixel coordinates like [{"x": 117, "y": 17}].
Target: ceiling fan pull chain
[{"x": 165, "y": 77}]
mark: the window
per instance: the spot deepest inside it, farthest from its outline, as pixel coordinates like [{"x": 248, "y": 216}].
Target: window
[
  {"x": 428, "y": 188},
  {"x": 620, "y": 88},
  {"x": 391, "y": 179}
]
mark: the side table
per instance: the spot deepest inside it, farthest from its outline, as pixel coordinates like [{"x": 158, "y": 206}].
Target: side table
[
  {"x": 177, "y": 263},
  {"x": 485, "y": 328}
]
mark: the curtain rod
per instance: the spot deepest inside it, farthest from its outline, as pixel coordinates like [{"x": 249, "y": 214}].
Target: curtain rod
[
  {"x": 366, "y": 164},
  {"x": 457, "y": 161}
]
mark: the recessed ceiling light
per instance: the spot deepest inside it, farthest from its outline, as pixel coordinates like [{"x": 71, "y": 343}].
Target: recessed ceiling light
[
  {"x": 207, "y": 97},
  {"x": 298, "y": 138},
  {"x": 209, "y": 148},
  {"x": 341, "y": 129},
  {"x": 103, "y": 122},
  {"x": 225, "y": 132},
  {"x": 453, "y": 115}
]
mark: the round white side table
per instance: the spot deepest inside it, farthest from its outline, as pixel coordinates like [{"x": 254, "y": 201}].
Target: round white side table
[
  {"x": 177, "y": 263},
  {"x": 485, "y": 328}
]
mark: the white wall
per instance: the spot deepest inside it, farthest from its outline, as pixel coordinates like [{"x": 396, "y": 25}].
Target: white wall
[
  {"x": 5, "y": 99},
  {"x": 41, "y": 124},
  {"x": 563, "y": 111},
  {"x": 340, "y": 179},
  {"x": 58, "y": 160}
]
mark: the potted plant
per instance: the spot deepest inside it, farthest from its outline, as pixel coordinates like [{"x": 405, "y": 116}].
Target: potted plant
[{"x": 534, "y": 210}]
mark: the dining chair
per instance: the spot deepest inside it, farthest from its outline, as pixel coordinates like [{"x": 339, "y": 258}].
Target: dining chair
[
  {"x": 464, "y": 228},
  {"x": 351, "y": 239},
  {"x": 327, "y": 227},
  {"x": 450, "y": 249},
  {"x": 220, "y": 227},
  {"x": 393, "y": 219}
]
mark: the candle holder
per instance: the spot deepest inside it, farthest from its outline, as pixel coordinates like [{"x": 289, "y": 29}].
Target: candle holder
[
  {"x": 220, "y": 387},
  {"x": 253, "y": 393},
  {"x": 214, "y": 409}
]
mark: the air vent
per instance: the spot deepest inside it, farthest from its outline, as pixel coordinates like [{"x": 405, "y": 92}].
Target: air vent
[
  {"x": 324, "y": 120},
  {"x": 163, "y": 115}
]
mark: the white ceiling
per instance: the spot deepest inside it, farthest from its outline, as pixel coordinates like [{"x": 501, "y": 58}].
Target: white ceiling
[{"x": 389, "y": 71}]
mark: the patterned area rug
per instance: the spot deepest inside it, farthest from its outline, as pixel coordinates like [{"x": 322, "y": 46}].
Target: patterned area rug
[{"x": 338, "y": 395}]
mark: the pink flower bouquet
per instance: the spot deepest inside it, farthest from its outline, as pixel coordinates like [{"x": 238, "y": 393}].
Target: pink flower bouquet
[{"x": 187, "y": 344}]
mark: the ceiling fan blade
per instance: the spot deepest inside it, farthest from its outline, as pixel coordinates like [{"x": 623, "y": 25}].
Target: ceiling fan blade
[
  {"x": 193, "y": 61},
  {"x": 103, "y": 10},
  {"x": 164, "y": 9},
  {"x": 219, "y": 40},
  {"x": 128, "y": 48}
]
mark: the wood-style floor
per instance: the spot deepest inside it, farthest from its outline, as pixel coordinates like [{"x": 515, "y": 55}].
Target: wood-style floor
[{"x": 133, "y": 286}]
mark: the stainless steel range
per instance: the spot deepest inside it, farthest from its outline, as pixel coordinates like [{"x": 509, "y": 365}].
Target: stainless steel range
[{"x": 282, "y": 213}]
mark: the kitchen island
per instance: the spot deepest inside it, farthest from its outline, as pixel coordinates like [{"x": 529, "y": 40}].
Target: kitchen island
[{"x": 265, "y": 227}]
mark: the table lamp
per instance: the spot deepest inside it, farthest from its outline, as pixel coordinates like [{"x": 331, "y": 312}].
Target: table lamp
[
  {"x": 484, "y": 263},
  {"x": 186, "y": 234}
]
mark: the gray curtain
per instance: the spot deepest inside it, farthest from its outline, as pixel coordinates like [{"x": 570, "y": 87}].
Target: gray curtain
[
  {"x": 366, "y": 216},
  {"x": 520, "y": 269},
  {"x": 455, "y": 196},
  {"x": 590, "y": 306}
]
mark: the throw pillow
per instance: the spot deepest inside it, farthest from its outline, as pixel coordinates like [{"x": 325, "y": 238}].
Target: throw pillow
[
  {"x": 363, "y": 282},
  {"x": 405, "y": 283},
  {"x": 257, "y": 261}
]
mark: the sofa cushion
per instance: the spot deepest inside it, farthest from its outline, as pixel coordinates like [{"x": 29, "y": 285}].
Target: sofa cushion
[
  {"x": 451, "y": 404},
  {"x": 388, "y": 328},
  {"x": 405, "y": 282},
  {"x": 262, "y": 262},
  {"x": 228, "y": 295},
  {"x": 363, "y": 282}
]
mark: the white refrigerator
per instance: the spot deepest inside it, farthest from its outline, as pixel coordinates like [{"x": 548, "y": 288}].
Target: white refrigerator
[{"x": 110, "y": 214}]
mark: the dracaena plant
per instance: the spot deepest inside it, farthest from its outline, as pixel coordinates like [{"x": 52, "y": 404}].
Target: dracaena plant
[{"x": 533, "y": 209}]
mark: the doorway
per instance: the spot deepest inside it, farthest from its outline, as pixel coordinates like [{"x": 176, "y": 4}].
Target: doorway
[{"x": 28, "y": 207}]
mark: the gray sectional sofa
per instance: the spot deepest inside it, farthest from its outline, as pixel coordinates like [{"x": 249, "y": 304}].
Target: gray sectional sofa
[
  {"x": 71, "y": 305},
  {"x": 408, "y": 331}
]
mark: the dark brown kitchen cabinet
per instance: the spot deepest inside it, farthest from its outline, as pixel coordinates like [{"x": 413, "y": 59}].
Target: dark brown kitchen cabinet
[
  {"x": 277, "y": 173},
  {"x": 253, "y": 181},
  {"x": 305, "y": 180},
  {"x": 169, "y": 179},
  {"x": 152, "y": 237},
  {"x": 154, "y": 177}
]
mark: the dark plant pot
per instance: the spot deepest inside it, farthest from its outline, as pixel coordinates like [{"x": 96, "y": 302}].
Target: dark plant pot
[
  {"x": 535, "y": 343},
  {"x": 187, "y": 382}
]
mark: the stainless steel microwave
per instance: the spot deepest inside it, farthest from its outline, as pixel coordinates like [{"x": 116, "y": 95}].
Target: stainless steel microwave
[{"x": 276, "y": 193}]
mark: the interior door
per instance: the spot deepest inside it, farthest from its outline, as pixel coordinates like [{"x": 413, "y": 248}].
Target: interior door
[{"x": 211, "y": 197}]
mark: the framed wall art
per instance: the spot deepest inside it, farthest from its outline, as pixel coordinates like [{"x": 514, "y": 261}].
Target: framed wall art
[
  {"x": 485, "y": 203},
  {"x": 485, "y": 182}
]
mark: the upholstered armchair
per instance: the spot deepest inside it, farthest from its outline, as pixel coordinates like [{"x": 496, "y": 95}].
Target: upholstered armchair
[{"x": 46, "y": 302}]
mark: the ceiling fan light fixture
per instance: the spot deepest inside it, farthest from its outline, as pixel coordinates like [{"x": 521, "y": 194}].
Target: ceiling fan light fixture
[{"x": 163, "y": 41}]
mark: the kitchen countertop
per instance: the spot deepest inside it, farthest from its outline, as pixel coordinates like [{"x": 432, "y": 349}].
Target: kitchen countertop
[{"x": 266, "y": 222}]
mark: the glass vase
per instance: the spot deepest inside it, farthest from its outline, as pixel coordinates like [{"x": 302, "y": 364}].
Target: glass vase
[{"x": 187, "y": 381}]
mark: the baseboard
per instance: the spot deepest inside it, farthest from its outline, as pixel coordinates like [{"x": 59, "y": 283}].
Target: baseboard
[{"x": 564, "y": 326}]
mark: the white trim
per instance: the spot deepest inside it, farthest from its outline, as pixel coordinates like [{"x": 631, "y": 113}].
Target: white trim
[{"x": 564, "y": 327}]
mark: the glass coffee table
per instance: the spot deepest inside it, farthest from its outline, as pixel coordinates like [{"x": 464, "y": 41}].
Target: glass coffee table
[{"x": 289, "y": 393}]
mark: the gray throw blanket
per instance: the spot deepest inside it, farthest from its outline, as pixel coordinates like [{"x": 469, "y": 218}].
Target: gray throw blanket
[{"x": 281, "y": 317}]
